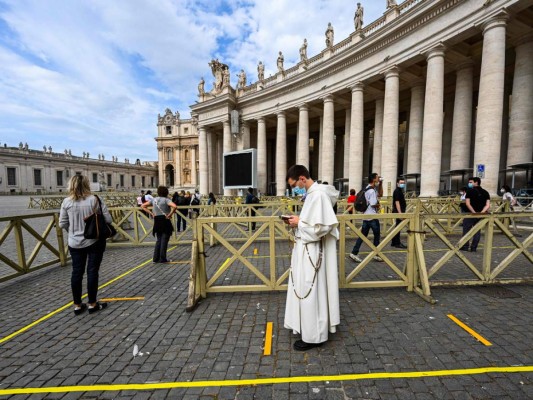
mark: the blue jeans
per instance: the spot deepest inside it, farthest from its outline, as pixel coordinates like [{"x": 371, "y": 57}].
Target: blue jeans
[
  {"x": 468, "y": 223},
  {"x": 92, "y": 256},
  {"x": 367, "y": 225},
  {"x": 161, "y": 245}
]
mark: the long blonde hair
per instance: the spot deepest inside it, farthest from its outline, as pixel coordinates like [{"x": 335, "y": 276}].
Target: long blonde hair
[{"x": 78, "y": 187}]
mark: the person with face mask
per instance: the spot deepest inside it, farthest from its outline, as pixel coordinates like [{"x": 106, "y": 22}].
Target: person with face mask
[
  {"x": 508, "y": 197},
  {"x": 398, "y": 206},
  {"x": 312, "y": 307},
  {"x": 373, "y": 190},
  {"x": 477, "y": 201}
]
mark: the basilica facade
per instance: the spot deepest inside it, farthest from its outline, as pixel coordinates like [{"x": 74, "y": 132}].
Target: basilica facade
[{"x": 434, "y": 90}]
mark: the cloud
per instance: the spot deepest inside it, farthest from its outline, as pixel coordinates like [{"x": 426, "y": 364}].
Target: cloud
[{"x": 92, "y": 76}]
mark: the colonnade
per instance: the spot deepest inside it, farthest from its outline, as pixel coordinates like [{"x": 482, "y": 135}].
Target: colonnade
[{"x": 426, "y": 121}]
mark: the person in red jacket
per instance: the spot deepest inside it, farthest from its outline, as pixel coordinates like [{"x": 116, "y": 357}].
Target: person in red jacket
[{"x": 351, "y": 200}]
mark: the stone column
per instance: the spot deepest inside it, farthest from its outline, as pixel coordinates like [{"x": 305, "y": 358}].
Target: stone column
[
  {"x": 178, "y": 167},
  {"x": 226, "y": 149},
  {"x": 416, "y": 120},
  {"x": 302, "y": 154},
  {"x": 378, "y": 136},
  {"x": 521, "y": 118},
  {"x": 447, "y": 134},
  {"x": 328, "y": 137},
  {"x": 433, "y": 123},
  {"x": 245, "y": 138},
  {"x": 218, "y": 162},
  {"x": 462, "y": 117},
  {"x": 203, "y": 153},
  {"x": 261, "y": 155},
  {"x": 281, "y": 154},
  {"x": 320, "y": 146},
  {"x": 211, "y": 159},
  {"x": 389, "y": 151},
  {"x": 357, "y": 132},
  {"x": 346, "y": 159},
  {"x": 194, "y": 176},
  {"x": 490, "y": 103}
]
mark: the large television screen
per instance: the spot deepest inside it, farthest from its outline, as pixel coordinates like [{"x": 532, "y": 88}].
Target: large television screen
[{"x": 240, "y": 169}]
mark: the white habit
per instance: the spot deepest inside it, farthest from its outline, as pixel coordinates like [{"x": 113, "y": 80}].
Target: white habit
[{"x": 317, "y": 314}]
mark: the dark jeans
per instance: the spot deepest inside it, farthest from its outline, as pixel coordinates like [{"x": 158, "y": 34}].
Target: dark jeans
[
  {"x": 161, "y": 244},
  {"x": 367, "y": 225},
  {"x": 252, "y": 214},
  {"x": 468, "y": 223},
  {"x": 92, "y": 256},
  {"x": 396, "y": 239},
  {"x": 180, "y": 221}
]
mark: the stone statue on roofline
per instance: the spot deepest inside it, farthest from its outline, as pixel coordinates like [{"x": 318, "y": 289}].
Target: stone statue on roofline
[
  {"x": 279, "y": 63},
  {"x": 391, "y": 3},
  {"x": 218, "y": 71},
  {"x": 260, "y": 72},
  {"x": 358, "y": 17},
  {"x": 225, "y": 77},
  {"x": 201, "y": 90},
  {"x": 329, "y": 35},
  {"x": 303, "y": 52},
  {"x": 242, "y": 79}
]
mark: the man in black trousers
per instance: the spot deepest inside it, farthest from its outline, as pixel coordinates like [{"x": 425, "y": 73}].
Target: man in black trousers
[{"x": 398, "y": 206}]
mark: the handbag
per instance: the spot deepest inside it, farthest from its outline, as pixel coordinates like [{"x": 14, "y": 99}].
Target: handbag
[{"x": 95, "y": 225}]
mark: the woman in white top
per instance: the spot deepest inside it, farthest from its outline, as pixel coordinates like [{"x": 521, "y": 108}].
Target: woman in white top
[
  {"x": 162, "y": 211},
  {"x": 75, "y": 208}
]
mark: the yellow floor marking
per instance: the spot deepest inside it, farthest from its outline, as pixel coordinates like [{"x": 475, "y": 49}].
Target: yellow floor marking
[
  {"x": 268, "y": 381},
  {"x": 123, "y": 299},
  {"x": 223, "y": 265},
  {"x": 52, "y": 313},
  {"x": 268, "y": 340},
  {"x": 470, "y": 330}
]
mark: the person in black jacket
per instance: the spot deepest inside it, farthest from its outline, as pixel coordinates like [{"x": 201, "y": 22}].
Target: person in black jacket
[
  {"x": 398, "y": 206},
  {"x": 250, "y": 200},
  {"x": 477, "y": 202},
  {"x": 182, "y": 222}
]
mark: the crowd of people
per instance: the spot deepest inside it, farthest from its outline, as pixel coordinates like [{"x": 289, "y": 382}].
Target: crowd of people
[{"x": 313, "y": 288}]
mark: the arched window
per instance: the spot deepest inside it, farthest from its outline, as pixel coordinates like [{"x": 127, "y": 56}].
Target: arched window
[
  {"x": 186, "y": 155},
  {"x": 169, "y": 154}
]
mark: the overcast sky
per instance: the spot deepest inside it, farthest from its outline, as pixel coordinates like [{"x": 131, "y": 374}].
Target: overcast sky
[{"x": 93, "y": 75}]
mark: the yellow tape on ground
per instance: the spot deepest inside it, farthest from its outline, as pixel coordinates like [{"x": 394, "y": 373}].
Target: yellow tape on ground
[
  {"x": 268, "y": 381},
  {"x": 122, "y": 298},
  {"x": 268, "y": 339},
  {"x": 470, "y": 330},
  {"x": 51, "y": 314}
]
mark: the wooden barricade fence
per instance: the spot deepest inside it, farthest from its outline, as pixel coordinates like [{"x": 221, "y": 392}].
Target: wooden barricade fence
[{"x": 416, "y": 271}]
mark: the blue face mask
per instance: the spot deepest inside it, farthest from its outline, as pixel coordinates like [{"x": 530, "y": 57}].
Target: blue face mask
[
  {"x": 470, "y": 185},
  {"x": 402, "y": 185}
]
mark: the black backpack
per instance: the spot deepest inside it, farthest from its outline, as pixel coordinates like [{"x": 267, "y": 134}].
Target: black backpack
[
  {"x": 255, "y": 200},
  {"x": 195, "y": 201},
  {"x": 360, "y": 202}
]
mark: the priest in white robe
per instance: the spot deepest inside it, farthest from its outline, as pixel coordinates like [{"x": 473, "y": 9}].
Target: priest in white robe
[{"x": 312, "y": 307}]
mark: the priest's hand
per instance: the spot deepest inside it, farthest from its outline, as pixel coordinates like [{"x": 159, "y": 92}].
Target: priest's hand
[{"x": 293, "y": 221}]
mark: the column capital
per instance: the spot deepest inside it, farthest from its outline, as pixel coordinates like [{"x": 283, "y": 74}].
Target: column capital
[
  {"x": 260, "y": 120},
  {"x": 202, "y": 128},
  {"x": 225, "y": 123},
  {"x": 328, "y": 98},
  {"x": 437, "y": 51},
  {"x": 465, "y": 65},
  {"x": 357, "y": 87},
  {"x": 523, "y": 39},
  {"x": 393, "y": 72},
  {"x": 499, "y": 20},
  {"x": 281, "y": 114},
  {"x": 303, "y": 107}
]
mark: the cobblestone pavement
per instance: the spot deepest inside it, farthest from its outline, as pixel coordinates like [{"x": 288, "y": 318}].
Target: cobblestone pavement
[{"x": 382, "y": 330}]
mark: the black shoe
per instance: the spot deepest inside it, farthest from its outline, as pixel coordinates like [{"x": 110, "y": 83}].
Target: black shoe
[
  {"x": 464, "y": 248},
  {"x": 99, "y": 306},
  {"x": 300, "y": 345},
  {"x": 80, "y": 310},
  {"x": 399, "y": 246},
  {"x": 472, "y": 250}
]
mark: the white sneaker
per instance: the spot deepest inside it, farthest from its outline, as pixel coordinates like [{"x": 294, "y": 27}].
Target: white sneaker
[
  {"x": 377, "y": 258},
  {"x": 355, "y": 258}
]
